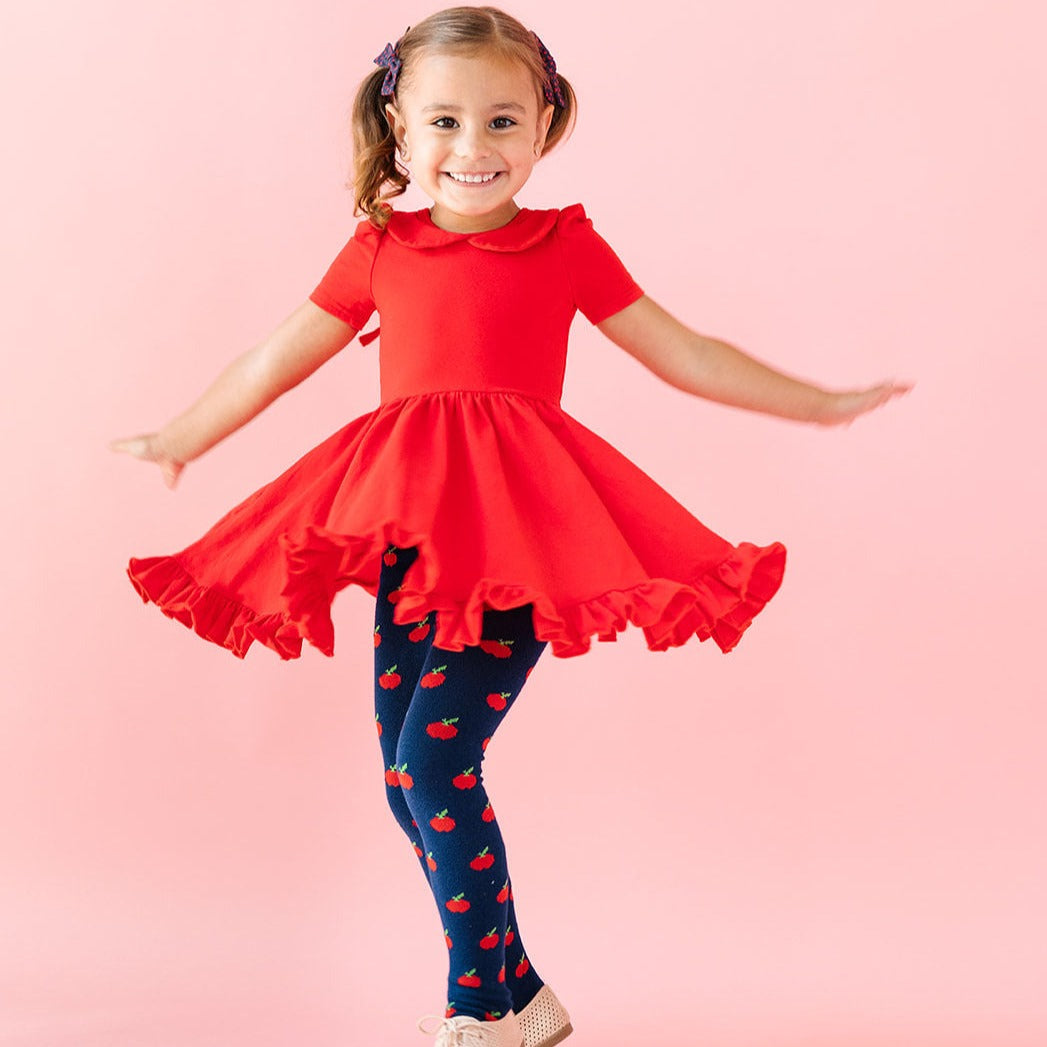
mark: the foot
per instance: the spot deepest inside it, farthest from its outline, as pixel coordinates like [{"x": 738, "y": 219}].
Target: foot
[
  {"x": 544, "y": 1020},
  {"x": 465, "y": 1031}
]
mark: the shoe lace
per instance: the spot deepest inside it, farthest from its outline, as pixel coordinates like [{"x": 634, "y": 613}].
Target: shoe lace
[{"x": 460, "y": 1031}]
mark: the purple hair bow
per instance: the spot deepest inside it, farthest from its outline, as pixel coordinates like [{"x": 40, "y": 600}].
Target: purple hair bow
[
  {"x": 390, "y": 59},
  {"x": 553, "y": 91}
]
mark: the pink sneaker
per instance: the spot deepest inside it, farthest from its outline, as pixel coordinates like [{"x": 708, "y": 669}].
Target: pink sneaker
[
  {"x": 465, "y": 1031},
  {"x": 544, "y": 1020}
]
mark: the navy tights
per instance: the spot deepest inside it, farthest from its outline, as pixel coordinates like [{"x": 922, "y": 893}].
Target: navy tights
[{"x": 436, "y": 710}]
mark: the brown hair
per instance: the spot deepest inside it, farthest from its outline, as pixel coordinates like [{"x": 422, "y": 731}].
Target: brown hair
[{"x": 377, "y": 175}]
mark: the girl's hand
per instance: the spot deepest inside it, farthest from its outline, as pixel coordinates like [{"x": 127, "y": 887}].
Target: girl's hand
[
  {"x": 843, "y": 408},
  {"x": 147, "y": 447}
]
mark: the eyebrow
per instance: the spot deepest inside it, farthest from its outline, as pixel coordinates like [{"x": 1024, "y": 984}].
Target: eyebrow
[{"x": 447, "y": 107}]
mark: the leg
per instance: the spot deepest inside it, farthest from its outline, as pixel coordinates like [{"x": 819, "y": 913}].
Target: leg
[
  {"x": 459, "y": 702},
  {"x": 399, "y": 653}
]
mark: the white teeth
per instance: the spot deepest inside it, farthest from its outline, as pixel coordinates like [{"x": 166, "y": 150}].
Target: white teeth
[{"x": 472, "y": 178}]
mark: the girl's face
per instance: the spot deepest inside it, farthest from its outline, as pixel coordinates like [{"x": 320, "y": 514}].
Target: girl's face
[{"x": 475, "y": 116}]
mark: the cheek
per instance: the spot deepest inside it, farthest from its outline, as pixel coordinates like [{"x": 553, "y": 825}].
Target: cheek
[
  {"x": 430, "y": 148},
  {"x": 525, "y": 155}
]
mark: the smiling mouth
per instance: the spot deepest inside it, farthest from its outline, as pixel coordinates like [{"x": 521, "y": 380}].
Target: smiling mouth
[{"x": 484, "y": 178}]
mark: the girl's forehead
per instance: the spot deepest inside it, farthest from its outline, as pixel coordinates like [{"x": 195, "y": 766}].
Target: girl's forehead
[{"x": 450, "y": 77}]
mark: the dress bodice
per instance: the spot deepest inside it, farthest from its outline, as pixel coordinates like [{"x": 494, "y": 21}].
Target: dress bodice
[{"x": 484, "y": 311}]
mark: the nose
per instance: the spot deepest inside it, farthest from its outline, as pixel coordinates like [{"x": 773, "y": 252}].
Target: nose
[{"x": 473, "y": 143}]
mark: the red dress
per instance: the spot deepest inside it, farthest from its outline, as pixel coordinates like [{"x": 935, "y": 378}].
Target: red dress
[{"x": 469, "y": 457}]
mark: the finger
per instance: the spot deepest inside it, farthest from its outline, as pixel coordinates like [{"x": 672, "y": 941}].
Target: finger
[
  {"x": 133, "y": 445},
  {"x": 895, "y": 390},
  {"x": 883, "y": 393}
]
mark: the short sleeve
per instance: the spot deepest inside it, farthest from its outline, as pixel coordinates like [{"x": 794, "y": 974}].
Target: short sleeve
[
  {"x": 602, "y": 285},
  {"x": 345, "y": 289}
]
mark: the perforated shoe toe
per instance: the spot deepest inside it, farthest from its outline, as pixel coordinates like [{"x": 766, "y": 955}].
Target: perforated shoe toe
[{"x": 544, "y": 1020}]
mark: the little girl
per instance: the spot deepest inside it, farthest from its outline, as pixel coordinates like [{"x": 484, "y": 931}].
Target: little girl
[{"x": 485, "y": 520}]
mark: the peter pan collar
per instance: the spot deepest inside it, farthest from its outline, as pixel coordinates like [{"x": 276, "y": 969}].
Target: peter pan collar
[{"x": 523, "y": 230}]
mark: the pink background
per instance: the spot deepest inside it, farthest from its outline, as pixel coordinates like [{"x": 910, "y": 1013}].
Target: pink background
[{"x": 841, "y": 838}]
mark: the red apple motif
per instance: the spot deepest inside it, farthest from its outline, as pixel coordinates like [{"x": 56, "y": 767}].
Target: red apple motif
[
  {"x": 465, "y": 780},
  {"x": 391, "y": 777},
  {"x": 377, "y": 636},
  {"x": 390, "y": 678},
  {"x": 488, "y": 813},
  {"x": 469, "y": 979},
  {"x": 417, "y": 849},
  {"x": 447, "y": 938},
  {"x": 390, "y": 556},
  {"x": 483, "y": 746},
  {"x": 450, "y": 1012},
  {"x": 523, "y": 967},
  {"x": 489, "y": 940},
  {"x": 434, "y": 677},
  {"x": 492, "y": 1016},
  {"x": 498, "y": 701},
  {"x": 405, "y": 779},
  {"x": 441, "y": 823},
  {"x": 503, "y": 894},
  {"x": 378, "y": 724},
  {"x": 499, "y": 648},
  {"x": 420, "y": 631},
  {"x": 430, "y": 861},
  {"x": 482, "y": 861},
  {"x": 443, "y": 728},
  {"x": 458, "y": 903},
  {"x": 510, "y": 934},
  {"x": 501, "y": 974}
]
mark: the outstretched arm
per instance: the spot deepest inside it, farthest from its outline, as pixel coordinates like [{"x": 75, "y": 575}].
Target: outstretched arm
[
  {"x": 305, "y": 340},
  {"x": 718, "y": 371}
]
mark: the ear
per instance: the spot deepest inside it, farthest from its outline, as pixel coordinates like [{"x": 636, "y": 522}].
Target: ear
[
  {"x": 545, "y": 118},
  {"x": 396, "y": 123}
]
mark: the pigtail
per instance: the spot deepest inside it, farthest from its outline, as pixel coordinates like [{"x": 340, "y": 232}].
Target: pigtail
[
  {"x": 564, "y": 116},
  {"x": 374, "y": 153}
]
